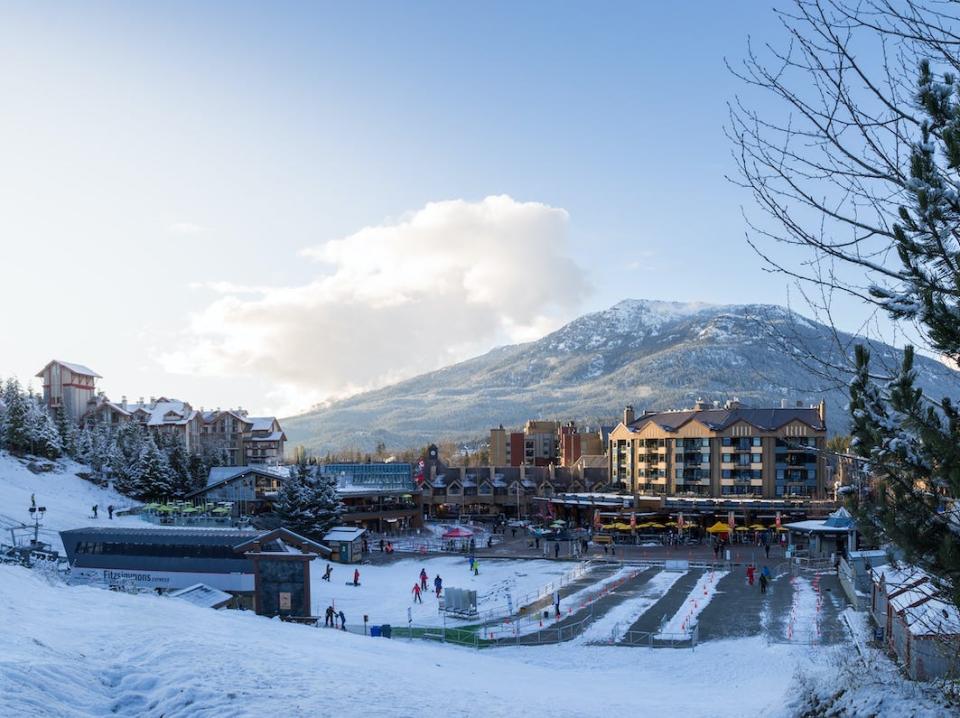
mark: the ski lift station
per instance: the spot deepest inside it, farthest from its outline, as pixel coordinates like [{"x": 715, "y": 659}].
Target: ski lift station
[{"x": 269, "y": 572}]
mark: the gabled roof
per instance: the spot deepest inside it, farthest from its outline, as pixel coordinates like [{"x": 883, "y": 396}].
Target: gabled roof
[
  {"x": 344, "y": 533},
  {"x": 720, "y": 419},
  {"x": 220, "y": 475},
  {"x": 75, "y": 368},
  {"x": 282, "y": 540},
  {"x": 200, "y": 594}
]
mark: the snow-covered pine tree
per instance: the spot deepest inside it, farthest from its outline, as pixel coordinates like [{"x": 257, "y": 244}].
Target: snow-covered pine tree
[
  {"x": 67, "y": 431},
  {"x": 181, "y": 480},
  {"x": 308, "y": 506},
  {"x": 124, "y": 458},
  {"x": 16, "y": 426},
  {"x": 84, "y": 448},
  {"x": 154, "y": 477},
  {"x": 43, "y": 437}
]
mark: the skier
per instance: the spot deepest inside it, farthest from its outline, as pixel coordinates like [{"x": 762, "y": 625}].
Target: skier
[
  {"x": 110, "y": 511},
  {"x": 327, "y": 573},
  {"x": 343, "y": 622},
  {"x": 95, "y": 507},
  {"x": 763, "y": 583},
  {"x": 423, "y": 579},
  {"x": 476, "y": 567},
  {"x": 438, "y": 584},
  {"x": 356, "y": 579},
  {"x": 556, "y": 603},
  {"x": 416, "y": 593},
  {"x": 328, "y": 617}
]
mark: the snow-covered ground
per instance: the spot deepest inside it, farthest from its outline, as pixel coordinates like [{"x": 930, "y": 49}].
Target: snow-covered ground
[
  {"x": 386, "y": 592},
  {"x": 612, "y": 625},
  {"x": 682, "y": 622},
  {"x": 67, "y": 498},
  {"x": 72, "y": 651}
]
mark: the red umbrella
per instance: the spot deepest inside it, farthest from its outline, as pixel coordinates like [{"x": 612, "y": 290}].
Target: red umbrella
[{"x": 458, "y": 532}]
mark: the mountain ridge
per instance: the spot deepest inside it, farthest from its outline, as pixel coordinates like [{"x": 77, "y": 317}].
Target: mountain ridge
[{"x": 653, "y": 354}]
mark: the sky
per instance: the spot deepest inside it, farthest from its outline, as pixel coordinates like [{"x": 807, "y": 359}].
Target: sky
[{"x": 270, "y": 205}]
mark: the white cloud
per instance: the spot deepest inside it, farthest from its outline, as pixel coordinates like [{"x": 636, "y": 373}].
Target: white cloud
[{"x": 438, "y": 285}]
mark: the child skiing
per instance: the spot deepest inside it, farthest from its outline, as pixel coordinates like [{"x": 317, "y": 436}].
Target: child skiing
[
  {"x": 356, "y": 580},
  {"x": 438, "y": 584},
  {"x": 326, "y": 574},
  {"x": 416, "y": 593}
]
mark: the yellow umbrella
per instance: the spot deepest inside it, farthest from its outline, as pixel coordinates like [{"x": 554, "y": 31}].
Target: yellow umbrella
[
  {"x": 758, "y": 527},
  {"x": 624, "y": 527},
  {"x": 671, "y": 523},
  {"x": 644, "y": 525},
  {"x": 718, "y": 528},
  {"x": 783, "y": 528},
  {"x": 741, "y": 528},
  {"x": 608, "y": 527},
  {"x": 655, "y": 525}
]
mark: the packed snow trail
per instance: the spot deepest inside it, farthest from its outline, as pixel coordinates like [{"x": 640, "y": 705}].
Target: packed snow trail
[
  {"x": 683, "y": 621},
  {"x": 803, "y": 623},
  {"x": 611, "y": 626}
]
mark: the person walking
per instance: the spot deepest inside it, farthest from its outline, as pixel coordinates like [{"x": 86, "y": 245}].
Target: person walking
[
  {"x": 536, "y": 540},
  {"x": 416, "y": 593},
  {"x": 763, "y": 583},
  {"x": 328, "y": 573},
  {"x": 328, "y": 617},
  {"x": 343, "y": 622},
  {"x": 356, "y": 579},
  {"x": 95, "y": 507},
  {"x": 766, "y": 550},
  {"x": 110, "y": 511},
  {"x": 476, "y": 567},
  {"x": 556, "y": 603},
  {"x": 438, "y": 584},
  {"x": 381, "y": 545},
  {"x": 556, "y": 550},
  {"x": 423, "y": 579}
]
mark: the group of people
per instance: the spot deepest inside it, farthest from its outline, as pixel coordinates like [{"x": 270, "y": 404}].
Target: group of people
[
  {"x": 96, "y": 508},
  {"x": 765, "y": 576},
  {"x": 335, "y": 619},
  {"x": 386, "y": 546},
  {"x": 420, "y": 586}
]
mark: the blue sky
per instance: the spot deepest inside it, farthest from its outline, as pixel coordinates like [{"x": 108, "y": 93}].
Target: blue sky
[{"x": 169, "y": 163}]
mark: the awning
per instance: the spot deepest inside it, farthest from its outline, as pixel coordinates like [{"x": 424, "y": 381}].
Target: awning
[{"x": 719, "y": 528}]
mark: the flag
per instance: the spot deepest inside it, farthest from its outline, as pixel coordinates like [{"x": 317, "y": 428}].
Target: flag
[
  {"x": 418, "y": 476},
  {"x": 680, "y": 521},
  {"x": 633, "y": 520},
  {"x": 730, "y": 520},
  {"x": 596, "y": 519},
  {"x": 778, "y": 519}
]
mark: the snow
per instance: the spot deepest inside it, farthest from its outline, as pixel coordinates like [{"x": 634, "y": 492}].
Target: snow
[
  {"x": 682, "y": 622},
  {"x": 76, "y": 652},
  {"x": 67, "y": 498},
  {"x": 386, "y": 592},
  {"x": 612, "y": 625}
]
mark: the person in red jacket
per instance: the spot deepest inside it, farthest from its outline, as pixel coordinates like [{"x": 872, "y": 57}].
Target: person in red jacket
[
  {"x": 416, "y": 593},
  {"x": 356, "y": 577},
  {"x": 423, "y": 579}
]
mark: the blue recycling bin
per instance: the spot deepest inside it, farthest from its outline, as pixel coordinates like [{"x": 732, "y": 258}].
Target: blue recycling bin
[{"x": 374, "y": 631}]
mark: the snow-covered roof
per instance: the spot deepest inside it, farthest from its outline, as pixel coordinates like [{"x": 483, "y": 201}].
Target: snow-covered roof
[
  {"x": 718, "y": 419},
  {"x": 75, "y": 368},
  {"x": 932, "y": 617},
  {"x": 262, "y": 423},
  {"x": 344, "y": 534},
  {"x": 275, "y": 436},
  {"x": 200, "y": 594}
]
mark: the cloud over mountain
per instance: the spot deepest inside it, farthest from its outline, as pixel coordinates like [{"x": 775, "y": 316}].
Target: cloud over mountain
[{"x": 437, "y": 285}]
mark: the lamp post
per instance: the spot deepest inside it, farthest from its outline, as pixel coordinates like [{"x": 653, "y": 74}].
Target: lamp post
[{"x": 37, "y": 513}]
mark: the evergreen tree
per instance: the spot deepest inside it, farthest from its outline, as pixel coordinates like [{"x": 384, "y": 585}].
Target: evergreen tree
[
  {"x": 42, "y": 435},
  {"x": 16, "y": 425},
  {"x": 67, "y": 431},
  {"x": 308, "y": 506},
  {"x": 124, "y": 451},
  {"x": 178, "y": 459},
  {"x": 154, "y": 479}
]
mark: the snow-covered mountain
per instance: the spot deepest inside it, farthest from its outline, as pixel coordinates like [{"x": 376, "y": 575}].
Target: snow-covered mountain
[{"x": 651, "y": 354}]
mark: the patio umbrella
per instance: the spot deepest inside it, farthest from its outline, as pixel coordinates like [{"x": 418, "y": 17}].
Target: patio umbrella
[
  {"x": 718, "y": 528},
  {"x": 623, "y": 527},
  {"x": 655, "y": 525},
  {"x": 458, "y": 532},
  {"x": 741, "y": 528},
  {"x": 758, "y": 527},
  {"x": 670, "y": 523}
]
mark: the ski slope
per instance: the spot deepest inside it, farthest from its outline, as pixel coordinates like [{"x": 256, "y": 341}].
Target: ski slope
[{"x": 67, "y": 498}]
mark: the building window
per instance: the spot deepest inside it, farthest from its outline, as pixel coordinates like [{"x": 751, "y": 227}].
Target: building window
[
  {"x": 728, "y": 458},
  {"x": 726, "y": 441},
  {"x": 756, "y": 441},
  {"x": 756, "y": 458}
]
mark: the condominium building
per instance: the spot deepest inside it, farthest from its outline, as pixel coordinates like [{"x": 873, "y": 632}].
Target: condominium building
[
  {"x": 721, "y": 452},
  {"x": 542, "y": 443}
]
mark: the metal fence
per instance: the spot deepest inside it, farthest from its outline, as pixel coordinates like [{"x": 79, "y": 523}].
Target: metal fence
[{"x": 653, "y": 639}]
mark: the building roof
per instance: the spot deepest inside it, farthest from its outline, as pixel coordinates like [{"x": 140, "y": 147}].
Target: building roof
[
  {"x": 281, "y": 540},
  {"x": 178, "y": 535},
  {"x": 344, "y": 533},
  {"x": 719, "y": 419},
  {"x": 200, "y": 594},
  {"x": 75, "y": 368},
  {"x": 224, "y": 474},
  {"x": 262, "y": 423}
]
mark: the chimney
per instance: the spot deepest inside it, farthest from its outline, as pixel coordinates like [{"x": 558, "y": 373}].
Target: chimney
[
  {"x": 123, "y": 402},
  {"x": 628, "y": 415},
  {"x": 141, "y": 401},
  {"x": 699, "y": 405},
  {"x": 822, "y": 411},
  {"x": 153, "y": 400},
  {"x": 733, "y": 403},
  {"x": 783, "y": 403}
]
